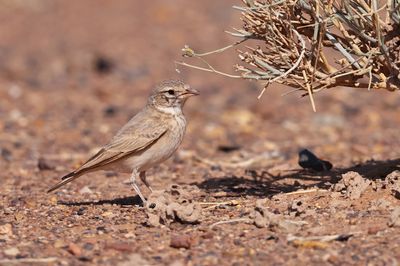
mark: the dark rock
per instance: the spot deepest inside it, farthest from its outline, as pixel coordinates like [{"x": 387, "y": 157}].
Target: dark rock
[
  {"x": 181, "y": 241},
  {"x": 6, "y": 154},
  {"x": 43, "y": 164},
  {"x": 103, "y": 65}
]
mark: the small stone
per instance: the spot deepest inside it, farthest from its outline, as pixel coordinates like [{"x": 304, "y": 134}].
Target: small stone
[
  {"x": 181, "y": 241},
  {"x": 103, "y": 65},
  {"x": 88, "y": 246},
  {"x": 373, "y": 230},
  {"x": 85, "y": 190},
  {"x": 74, "y": 249},
  {"x": 220, "y": 194},
  {"x": 11, "y": 252},
  {"x": 392, "y": 181},
  {"x": 237, "y": 242},
  {"x": 130, "y": 235},
  {"x": 6, "y": 229},
  {"x": 6, "y": 154},
  {"x": 395, "y": 218},
  {"x": 81, "y": 211},
  {"x": 298, "y": 207},
  {"x": 107, "y": 214},
  {"x": 134, "y": 259},
  {"x": 123, "y": 247},
  {"x": 110, "y": 111},
  {"x": 19, "y": 216},
  {"x": 43, "y": 165},
  {"x": 208, "y": 235},
  {"x": 352, "y": 184},
  {"x": 53, "y": 200},
  {"x": 59, "y": 244},
  {"x": 14, "y": 91},
  {"x": 178, "y": 263}
]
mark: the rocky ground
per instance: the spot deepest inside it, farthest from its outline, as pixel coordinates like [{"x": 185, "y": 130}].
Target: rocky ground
[{"x": 71, "y": 73}]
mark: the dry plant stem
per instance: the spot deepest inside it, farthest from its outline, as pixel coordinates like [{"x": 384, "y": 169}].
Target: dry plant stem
[
  {"x": 188, "y": 52},
  {"x": 325, "y": 238},
  {"x": 238, "y": 220},
  {"x": 220, "y": 50},
  {"x": 213, "y": 205},
  {"x": 310, "y": 92},
  {"x": 303, "y": 50},
  {"x": 28, "y": 260},
  {"x": 207, "y": 70},
  {"x": 231, "y": 202},
  {"x": 306, "y": 191},
  {"x": 259, "y": 7}
]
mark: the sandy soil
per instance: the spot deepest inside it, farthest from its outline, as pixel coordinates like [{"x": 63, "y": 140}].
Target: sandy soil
[{"x": 73, "y": 72}]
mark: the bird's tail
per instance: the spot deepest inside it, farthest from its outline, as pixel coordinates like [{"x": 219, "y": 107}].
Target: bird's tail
[{"x": 65, "y": 180}]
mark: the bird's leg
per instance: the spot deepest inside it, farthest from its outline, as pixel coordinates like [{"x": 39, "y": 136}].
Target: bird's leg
[
  {"x": 136, "y": 187},
  {"x": 144, "y": 180}
]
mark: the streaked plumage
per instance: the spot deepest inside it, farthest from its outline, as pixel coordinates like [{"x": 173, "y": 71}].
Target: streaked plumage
[{"x": 148, "y": 139}]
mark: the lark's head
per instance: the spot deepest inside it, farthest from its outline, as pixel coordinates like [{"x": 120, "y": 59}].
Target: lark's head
[{"x": 171, "y": 94}]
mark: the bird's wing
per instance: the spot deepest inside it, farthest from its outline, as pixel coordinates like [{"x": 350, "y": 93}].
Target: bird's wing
[{"x": 138, "y": 134}]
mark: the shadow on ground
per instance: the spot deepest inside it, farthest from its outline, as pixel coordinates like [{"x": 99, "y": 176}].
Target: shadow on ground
[
  {"x": 118, "y": 201},
  {"x": 262, "y": 183}
]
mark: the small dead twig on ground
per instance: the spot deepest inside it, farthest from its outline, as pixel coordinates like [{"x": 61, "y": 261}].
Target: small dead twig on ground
[
  {"x": 28, "y": 261},
  {"x": 297, "y": 192},
  {"x": 324, "y": 238},
  {"x": 238, "y": 220}
]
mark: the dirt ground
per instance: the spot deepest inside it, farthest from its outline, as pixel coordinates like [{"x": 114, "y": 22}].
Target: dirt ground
[{"x": 73, "y": 72}]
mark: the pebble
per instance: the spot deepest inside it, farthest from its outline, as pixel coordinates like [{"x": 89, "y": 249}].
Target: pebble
[
  {"x": 86, "y": 190},
  {"x": 123, "y": 247},
  {"x": 11, "y": 252},
  {"x": 74, "y": 249},
  {"x": 395, "y": 218},
  {"x": 59, "y": 243},
  {"x": 43, "y": 165},
  {"x": 6, "y": 229},
  {"x": 181, "y": 241}
]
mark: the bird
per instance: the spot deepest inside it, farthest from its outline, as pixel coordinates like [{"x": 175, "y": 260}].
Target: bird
[{"x": 147, "y": 139}]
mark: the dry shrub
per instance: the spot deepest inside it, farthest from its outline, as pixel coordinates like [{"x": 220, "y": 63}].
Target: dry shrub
[{"x": 313, "y": 45}]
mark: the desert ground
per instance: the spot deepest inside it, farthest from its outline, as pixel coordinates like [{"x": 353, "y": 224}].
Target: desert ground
[{"x": 73, "y": 72}]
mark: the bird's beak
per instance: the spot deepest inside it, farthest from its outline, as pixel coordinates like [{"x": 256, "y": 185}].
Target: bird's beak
[{"x": 190, "y": 92}]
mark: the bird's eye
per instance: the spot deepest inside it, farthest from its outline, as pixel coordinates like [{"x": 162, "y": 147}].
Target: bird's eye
[{"x": 171, "y": 92}]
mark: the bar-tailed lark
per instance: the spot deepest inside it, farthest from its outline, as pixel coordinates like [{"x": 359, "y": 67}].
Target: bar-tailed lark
[{"x": 148, "y": 139}]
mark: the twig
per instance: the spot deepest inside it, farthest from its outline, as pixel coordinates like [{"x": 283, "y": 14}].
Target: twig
[
  {"x": 246, "y": 220},
  {"x": 231, "y": 202},
  {"x": 325, "y": 238},
  {"x": 295, "y": 65},
  {"x": 310, "y": 92},
  {"x": 258, "y": 7},
  {"x": 342, "y": 50},
  {"x": 188, "y": 52},
  {"x": 297, "y": 192},
  {"x": 207, "y": 70},
  {"x": 28, "y": 260}
]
